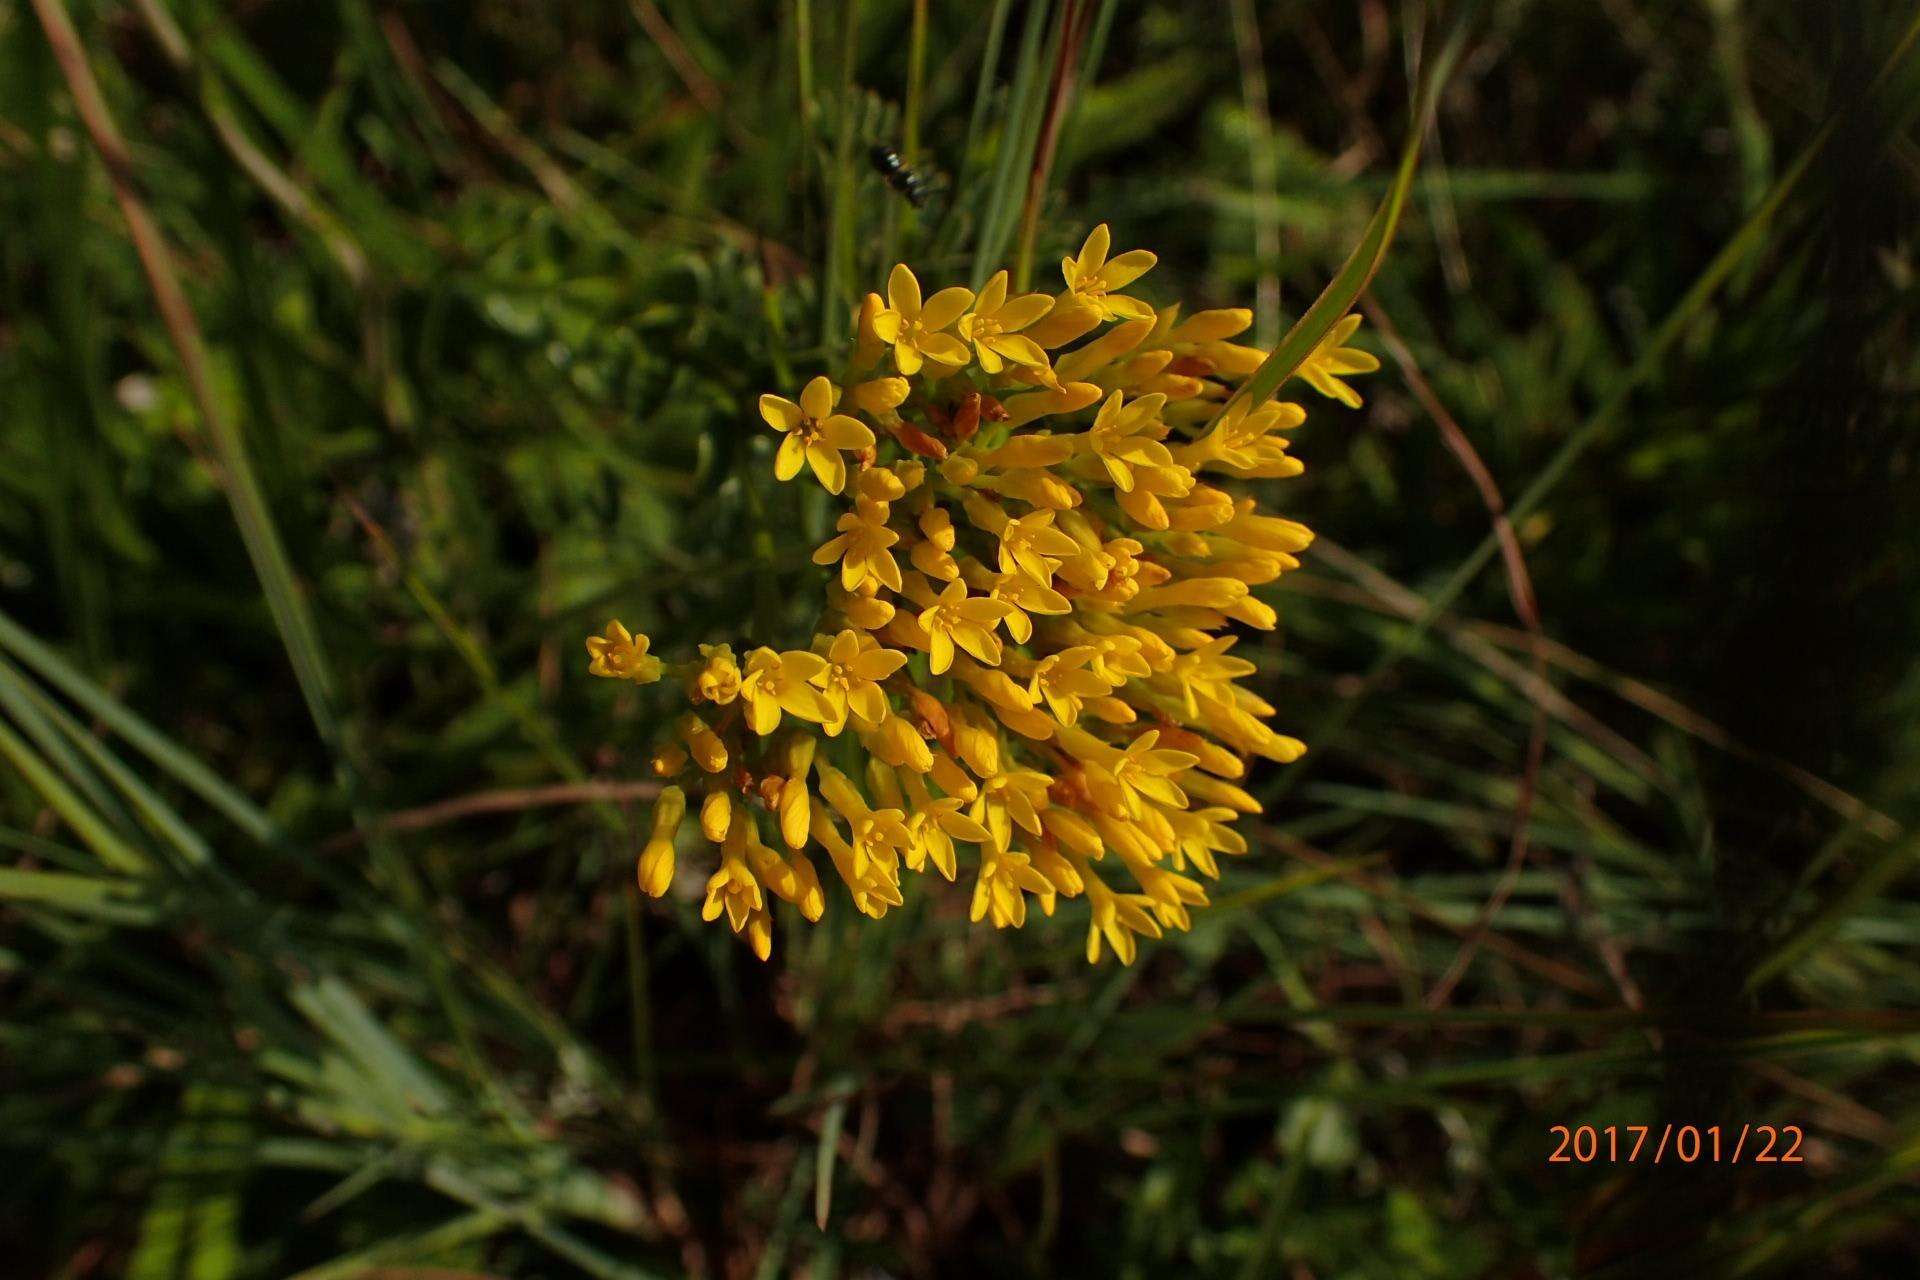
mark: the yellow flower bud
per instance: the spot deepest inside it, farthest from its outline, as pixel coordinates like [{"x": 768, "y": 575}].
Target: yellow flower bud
[
  {"x": 655, "y": 871},
  {"x": 668, "y": 760},
  {"x": 704, "y": 744},
  {"x": 716, "y": 815}
]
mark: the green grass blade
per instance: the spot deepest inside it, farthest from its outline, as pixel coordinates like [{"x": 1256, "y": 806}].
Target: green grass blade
[{"x": 177, "y": 762}]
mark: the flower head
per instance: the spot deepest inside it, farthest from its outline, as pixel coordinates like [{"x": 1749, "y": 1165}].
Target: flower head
[
  {"x": 1063, "y": 538},
  {"x": 622, "y": 655},
  {"x": 916, "y": 330},
  {"x": 956, "y": 618},
  {"x": 718, "y": 677},
  {"x": 1094, "y": 282},
  {"x": 1331, "y": 359},
  {"x": 994, "y": 325},
  {"x": 777, "y": 682},
  {"x": 862, "y": 546},
  {"x": 815, "y": 434},
  {"x": 850, "y": 681}
]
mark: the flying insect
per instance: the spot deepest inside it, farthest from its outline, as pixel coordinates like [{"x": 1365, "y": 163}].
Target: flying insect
[{"x": 888, "y": 164}]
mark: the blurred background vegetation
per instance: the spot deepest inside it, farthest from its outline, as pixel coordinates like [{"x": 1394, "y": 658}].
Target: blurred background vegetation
[{"x": 319, "y": 951}]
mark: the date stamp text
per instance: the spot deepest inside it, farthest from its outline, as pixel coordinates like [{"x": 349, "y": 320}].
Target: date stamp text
[{"x": 1676, "y": 1143}]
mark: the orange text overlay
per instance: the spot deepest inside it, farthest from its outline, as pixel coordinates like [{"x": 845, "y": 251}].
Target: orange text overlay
[{"x": 1675, "y": 1144}]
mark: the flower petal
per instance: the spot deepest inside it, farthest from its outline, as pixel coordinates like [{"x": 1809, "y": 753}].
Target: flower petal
[
  {"x": 944, "y": 307},
  {"x": 780, "y": 413},
  {"x": 877, "y": 664},
  {"x": 887, "y": 570},
  {"x": 787, "y": 462},
  {"x": 1017, "y": 349},
  {"x": 1127, "y": 268},
  {"x": 881, "y": 394},
  {"x": 943, "y": 347},
  {"x": 829, "y": 466},
  {"x": 993, "y": 295},
  {"x": 869, "y": 703},
  {"x": 1093, "y": 254},
  {"x": 843, "y": 432},
  {"x": 1023, "y": 311},
  {"x": 816, "y": 400},
  {"x": 903, "y": 293}
]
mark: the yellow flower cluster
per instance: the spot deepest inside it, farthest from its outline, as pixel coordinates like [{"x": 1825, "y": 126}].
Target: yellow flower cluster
[{"x": 1026, "y": 645}]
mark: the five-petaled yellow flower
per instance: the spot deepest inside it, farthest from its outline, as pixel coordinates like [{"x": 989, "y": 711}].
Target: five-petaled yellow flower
[
  {"x": 777, "y": 682},
  {"x": 622, "y": 655},
  {"x": 916, "y": 329},
  {"x": 968, "y": 621},
  {"x": 1094, "y": 282},
  {"x": 994, "y": 325},
  {"x": 851, "y": 681},
  {"x": 862, "y": 546},
  {"x": 815, "y": 434},
  {"x": 1331, "y": 358}
]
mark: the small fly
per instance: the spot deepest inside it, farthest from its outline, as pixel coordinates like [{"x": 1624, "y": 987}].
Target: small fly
[{"x": 889, "y": 165}]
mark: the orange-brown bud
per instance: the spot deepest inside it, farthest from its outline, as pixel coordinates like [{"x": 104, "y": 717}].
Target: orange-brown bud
[
  {"x": 917, "y": 441},
  {"x": 930, "y": 713},
  {"x": 966, "y": 419}
]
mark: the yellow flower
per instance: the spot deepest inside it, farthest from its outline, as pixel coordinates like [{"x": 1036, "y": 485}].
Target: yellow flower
[
  {"x": 873, "y": 890},
  {"x": 1092, "y": 280},
  {"x": 862, "y": 546},
  {"x": 791, "y": 879},
  {"x": 850, "y": 680},
  {"x": 994, "y": 325},
  {"x": 733, "y": 890},
  {"x": 1331, "y": 358},
  {"x": 1117, "y": 917},
  {"x": 915, "y": 329},
  {"x": 1114, "y": 725},
  {"x": 1027, "y": 595},
  {"x": 1123, "y": 439},
  {"x": 708, "y": 751},
  {"x": 777, "y": 682},
  {"x": 1006, "y": 877},
  {"x": 718, "y": 678},
  {"x": 1010, "y": 798},
  {"x": 1063, "y": 681},
  {"x": 815, "y": 434},
  {"x": 1034, "y": 547},
  {"x": 622, "y": 655},
  {"x": 1243, "y": 443},
  {"x": 1145, "y": 772},
  {"x": 968, "y": 621},
  {"x": 934, "y": 824}
]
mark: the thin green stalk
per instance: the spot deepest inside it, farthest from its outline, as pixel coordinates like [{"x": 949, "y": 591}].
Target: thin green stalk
[
  {"x": 1016, "y": 145},
  {"x": 1338, "y": 298},
  {"x": 916, "y": 83},
  {"x": 1261, "y": 174},
  {"x": 1068, "y": 38},
  {"x": 97, "y": 835},
  {"x": 837, "y": 285}
]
